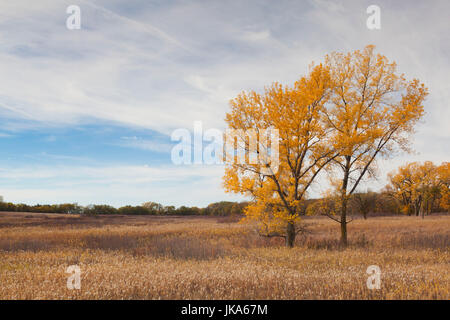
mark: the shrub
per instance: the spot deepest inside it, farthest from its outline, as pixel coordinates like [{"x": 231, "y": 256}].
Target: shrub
[
  {"x": 92, "y": 210},
  {"x": 138, "y": 210}
]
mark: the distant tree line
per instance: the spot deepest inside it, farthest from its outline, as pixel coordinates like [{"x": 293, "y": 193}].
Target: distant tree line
[
  {"x": 364, "y": 204},
  {"x": 223, "y": 208},
  {"x": 421, "y": 188},
  {"x": 413, "y": 189},
  {"x": 69, "y": 208}
]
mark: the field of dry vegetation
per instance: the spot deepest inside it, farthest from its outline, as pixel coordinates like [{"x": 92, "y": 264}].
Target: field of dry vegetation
[{"x": 148, "y": 257}]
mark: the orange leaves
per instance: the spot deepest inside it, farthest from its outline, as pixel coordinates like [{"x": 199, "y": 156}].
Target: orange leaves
[
  {"x": 346, "y": 111},
  {"x": 371, "y": 110},
  {"x": 443, "y": 177},
  {"x": 369, "y": 99},
  {"x": 297, "y": 113},
  {"x": 418, "y": 186}
]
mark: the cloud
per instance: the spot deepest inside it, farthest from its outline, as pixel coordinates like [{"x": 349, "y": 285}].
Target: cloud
[
  {"x": 5, "y": 135},
  {"x": 162, "y": 66},
  {"x": 256, "y": 35},
  {"x": 117, "y": 185},
  {"x": 145, "y": 144},
  {"x": 142, "y": 27}
]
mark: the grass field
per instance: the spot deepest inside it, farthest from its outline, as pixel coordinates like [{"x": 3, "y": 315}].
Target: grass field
[{"x": 146, "y": 257}]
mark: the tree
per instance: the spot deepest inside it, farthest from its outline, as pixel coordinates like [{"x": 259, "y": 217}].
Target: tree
[
  {"x": 418, "y": 187},
  {"x": 154, "y": 207},
  {"x": 304, "y": 150},
  {"x": 443, "y": 176},
  {"x": 387, "y": 203},
  {"x": 364, "y": 202},
  {"x": 224, "y": 208},
  {"x": 169, "y": 210},
  {"x": 428, "y": 187},
  {"x": 372, "y": 111},
  {"x": 93, "y": 210},
  {"x": 329, "y": 205}
]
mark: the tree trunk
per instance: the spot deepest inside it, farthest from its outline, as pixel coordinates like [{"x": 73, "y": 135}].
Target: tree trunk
[
  {"x": 290, "y": 235},
  {"x": 416, "y": 210},
  {"x": 344, "y": 241},
  {"x": 344, "y": 201},
  {"x": 418, "y": 205}
]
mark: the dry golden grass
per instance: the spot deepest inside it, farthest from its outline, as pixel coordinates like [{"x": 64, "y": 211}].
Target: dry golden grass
[{"x": 211, "y": 258}]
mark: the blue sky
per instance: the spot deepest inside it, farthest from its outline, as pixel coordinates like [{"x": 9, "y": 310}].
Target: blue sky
[{"x": 87, "y": 114}]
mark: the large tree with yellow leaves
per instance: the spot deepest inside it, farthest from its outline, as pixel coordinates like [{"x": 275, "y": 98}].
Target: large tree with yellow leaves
[
  {"x": 372, "y": 110},
  {"x": 304, "y": 150},
  {"x": 341, "y": 116},
  {"x": 419, "y": 187}
]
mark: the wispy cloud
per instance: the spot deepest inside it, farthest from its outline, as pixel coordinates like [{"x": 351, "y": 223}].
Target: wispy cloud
[
  {"x": 163, "y": 65},
  {"x": 142, "y": 27},
  {"x": 145, "y": 144},
  {"x": 118, "y": 185},
  {"x": 5, "y": 135}
]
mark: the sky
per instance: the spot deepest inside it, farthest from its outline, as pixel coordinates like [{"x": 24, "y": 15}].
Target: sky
[{"x": 87, "y": 114}]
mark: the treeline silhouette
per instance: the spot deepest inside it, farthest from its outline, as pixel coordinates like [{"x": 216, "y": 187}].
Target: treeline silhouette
[
  {"x": 365, "y": 204},
  {"x": 223, "y": 208}
]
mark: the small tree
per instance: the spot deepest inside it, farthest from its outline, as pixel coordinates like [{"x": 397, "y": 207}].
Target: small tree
[
  {"x": 153, "y": 207},
  {"x": 364, "y": 202}
]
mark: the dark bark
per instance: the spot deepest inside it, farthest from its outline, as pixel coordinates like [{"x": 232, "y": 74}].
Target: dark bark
[
  {"x": 344, "y": 241},
  {"x": 344, "y": 200},
  {"x": 290, "y": 235}
]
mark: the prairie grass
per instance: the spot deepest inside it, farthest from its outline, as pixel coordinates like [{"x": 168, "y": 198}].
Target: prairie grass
[{"x": 146, "y": 257}]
